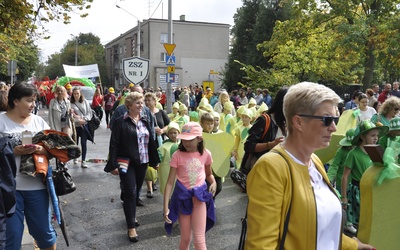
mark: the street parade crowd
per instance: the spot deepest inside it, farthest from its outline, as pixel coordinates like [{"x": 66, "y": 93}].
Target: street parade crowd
[{"x": 262, "y": 141}]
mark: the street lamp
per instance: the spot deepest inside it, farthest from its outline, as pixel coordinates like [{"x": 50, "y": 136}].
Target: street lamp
[
  {"x": 76, "y": 49},
  {"x": 138, "y": 33}
]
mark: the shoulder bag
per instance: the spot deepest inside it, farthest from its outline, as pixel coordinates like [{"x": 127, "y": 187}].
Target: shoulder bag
[
  {"x": 94, "y": 123},
  {"x": 63, "y": 182},
  {"x": 239, "y": 177},
  {"x": 243, "y": 233}
]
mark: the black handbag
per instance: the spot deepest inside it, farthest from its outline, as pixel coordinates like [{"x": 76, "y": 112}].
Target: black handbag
[{"x": 63, "y": 182}]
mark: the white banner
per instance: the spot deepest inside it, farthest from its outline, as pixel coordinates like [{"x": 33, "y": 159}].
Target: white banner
[{"x": 86, "y": 71}]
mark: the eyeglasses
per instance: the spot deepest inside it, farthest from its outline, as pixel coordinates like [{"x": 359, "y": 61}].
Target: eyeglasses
[
  {"x": 326, "y": 119},
  {"x": 396, "y": 109}
]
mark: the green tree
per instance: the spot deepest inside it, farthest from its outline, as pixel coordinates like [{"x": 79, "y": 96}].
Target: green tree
[
  {"x": 24, "y": 20},
  {"x": 90, "y": 51},
  {"x": 241, "y": 33},
  {"x": 371, "y": 21},
  {"x": 254, "y": 23}
]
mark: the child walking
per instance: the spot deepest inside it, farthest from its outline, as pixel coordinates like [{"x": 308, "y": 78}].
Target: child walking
[
  {"x": 165, "y": 152},
  {"x": 357, "y": 162},
  {"x": 190, "y": 202}
]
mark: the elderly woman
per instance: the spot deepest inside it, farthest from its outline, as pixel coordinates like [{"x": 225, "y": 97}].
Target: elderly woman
[
  {"x": 32, "y": 198},
  {"x": 298, "y": 208},
  {"x": 222, "y": 99},
  {"x": 59, "y": 111},
  {"x": 132, "y": 148},
  {"x": 388, "y": 110}
]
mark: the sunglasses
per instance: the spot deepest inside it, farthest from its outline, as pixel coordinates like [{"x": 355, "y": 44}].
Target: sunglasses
[{"x": 326, "y": 119}]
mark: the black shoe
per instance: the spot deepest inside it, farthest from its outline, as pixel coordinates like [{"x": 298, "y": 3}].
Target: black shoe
[
  {"x": 149, "y": 194},
  {"x": 154, "y": 187},
  {"x": 139, "y": 202},
  {"x": 137, "y": 223},
  {"x": 133, "y": 238}
]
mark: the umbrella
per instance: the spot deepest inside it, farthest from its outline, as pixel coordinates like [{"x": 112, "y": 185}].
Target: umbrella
[
  {"x": 87, "y": 130},
  {"x": 56, "y": 204}
]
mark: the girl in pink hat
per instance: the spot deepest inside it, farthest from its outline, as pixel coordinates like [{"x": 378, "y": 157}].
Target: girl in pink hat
[{"x": 191, "y": 202}]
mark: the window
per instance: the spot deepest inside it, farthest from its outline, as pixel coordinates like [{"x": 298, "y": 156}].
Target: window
[
  {"x": 163, "y": 38},
  {"x": 163, "y": 57}
]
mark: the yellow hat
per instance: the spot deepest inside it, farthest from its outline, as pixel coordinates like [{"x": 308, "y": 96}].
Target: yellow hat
[
  {"x": 254, "y": 111},
  {"x": 203, "y": 102},
  {"x": 215, "y": 114},
  {"x": 176, "y": 105},
  {"x": 248, "y": 112},
  {"x": 111, "y": 90},
  {"x": 228, "y": 106},
  {"x": 263, "y": 107},
  {"x": 68, "y": 86},
  {"x": 172, "y": 125},
  {"x": 241, "y": 109},
  {"x": 131, "y": 85},
  {"x": 252, "y": 101},
  {"x": 182, "y": 107}
]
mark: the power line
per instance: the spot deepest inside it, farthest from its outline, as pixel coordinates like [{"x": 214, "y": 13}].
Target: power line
[{"x": 156, "y": 8}]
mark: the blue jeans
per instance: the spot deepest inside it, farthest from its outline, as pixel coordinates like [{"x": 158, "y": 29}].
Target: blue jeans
[{"x": 34, "y": 205}]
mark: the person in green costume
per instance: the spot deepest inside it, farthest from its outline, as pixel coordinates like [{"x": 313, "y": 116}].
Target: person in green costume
[
  {"x": 357, "y": 162},
  {"x": 165, "y": 152},
  {"x": 335, "y": 171}
]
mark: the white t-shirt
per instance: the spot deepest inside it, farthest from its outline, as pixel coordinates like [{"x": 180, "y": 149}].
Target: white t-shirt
[
  {"x": 13, "y": 130},
  {"x": 367, "y": 114}
]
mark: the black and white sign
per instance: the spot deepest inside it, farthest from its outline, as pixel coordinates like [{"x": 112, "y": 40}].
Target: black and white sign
[{"x": 135, "y": 69}]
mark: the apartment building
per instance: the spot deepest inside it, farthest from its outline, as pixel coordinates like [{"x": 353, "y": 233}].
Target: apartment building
[{"x": 201, "y": 50}]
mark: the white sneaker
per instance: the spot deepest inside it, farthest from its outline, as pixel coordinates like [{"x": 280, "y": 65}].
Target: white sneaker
[
  {"x": 84, "y": 165},
  {"x": 350, "y": 228},
  {"x": 75, "y": 161}
]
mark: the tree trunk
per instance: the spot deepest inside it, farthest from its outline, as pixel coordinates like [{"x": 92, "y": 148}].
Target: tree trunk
[{"x": 369, "y": 65}]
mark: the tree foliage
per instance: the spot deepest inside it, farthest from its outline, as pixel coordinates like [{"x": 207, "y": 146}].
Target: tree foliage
[
  {"x": 330, "y": 41},
  {"x": 23, "y": 21},
  {"x": 254, "y": 23},
  {"x": 90, "y": 51}
]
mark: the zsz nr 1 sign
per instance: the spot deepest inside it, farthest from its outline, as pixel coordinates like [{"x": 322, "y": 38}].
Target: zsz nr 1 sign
[{"x": 136, "y": 69}]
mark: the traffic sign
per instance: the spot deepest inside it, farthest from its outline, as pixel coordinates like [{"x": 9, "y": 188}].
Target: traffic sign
[
  {"x": 170, "y": 60},
  {"x": 169, "y": 48},
  {"x": 171, "y": 69},
  {"x": 170, "y": 77},
  {"x": 135, "y": 69}
]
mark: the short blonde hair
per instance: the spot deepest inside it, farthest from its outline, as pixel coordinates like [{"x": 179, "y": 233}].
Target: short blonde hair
[
  {"x": 305, "y": 98},
  {"x": 131, "y": 98}
]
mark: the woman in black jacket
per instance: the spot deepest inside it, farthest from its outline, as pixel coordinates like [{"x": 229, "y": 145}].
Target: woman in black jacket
[
  {"x": 257, "y": 145},
  {"x": 132, "y": 148}
]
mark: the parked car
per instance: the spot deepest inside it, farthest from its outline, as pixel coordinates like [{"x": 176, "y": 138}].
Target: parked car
[{"x": 88, "y": 93}]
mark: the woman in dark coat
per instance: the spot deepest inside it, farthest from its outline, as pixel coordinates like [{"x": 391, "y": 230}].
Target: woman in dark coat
[{"x": 132, "y": 149}]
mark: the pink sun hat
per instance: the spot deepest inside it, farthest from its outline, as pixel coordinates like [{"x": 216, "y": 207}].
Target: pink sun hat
[{"x": 190, "y": 131}]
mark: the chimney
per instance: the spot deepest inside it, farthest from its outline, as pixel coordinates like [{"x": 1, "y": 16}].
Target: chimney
[{"x": 182, "y": 18}]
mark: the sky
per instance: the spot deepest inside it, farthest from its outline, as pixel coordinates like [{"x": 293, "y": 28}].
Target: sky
[{"x": 107, "y": 21}]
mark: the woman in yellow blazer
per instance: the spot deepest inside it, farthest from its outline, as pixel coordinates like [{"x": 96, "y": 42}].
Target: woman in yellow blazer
[{"x": 290, "y": 175}]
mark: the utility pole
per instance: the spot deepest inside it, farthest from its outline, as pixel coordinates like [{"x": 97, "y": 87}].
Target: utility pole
[
  {"x": 76, "y": 49},
  {"x": 170, "y": 41}
]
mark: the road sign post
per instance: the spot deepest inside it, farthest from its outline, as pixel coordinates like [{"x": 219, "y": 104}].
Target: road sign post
[
  {"x": 135, "y": 69},
  {"x": 170, "y": 62}
]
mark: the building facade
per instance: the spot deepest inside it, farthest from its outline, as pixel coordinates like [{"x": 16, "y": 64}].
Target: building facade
[{"x": 201, "y": 50}]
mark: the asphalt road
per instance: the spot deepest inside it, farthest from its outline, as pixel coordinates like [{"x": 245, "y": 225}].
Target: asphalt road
[{"x": 95, "y": 219}]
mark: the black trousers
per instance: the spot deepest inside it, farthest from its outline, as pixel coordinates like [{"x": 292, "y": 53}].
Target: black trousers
[{"x": 131, "y": 182}]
